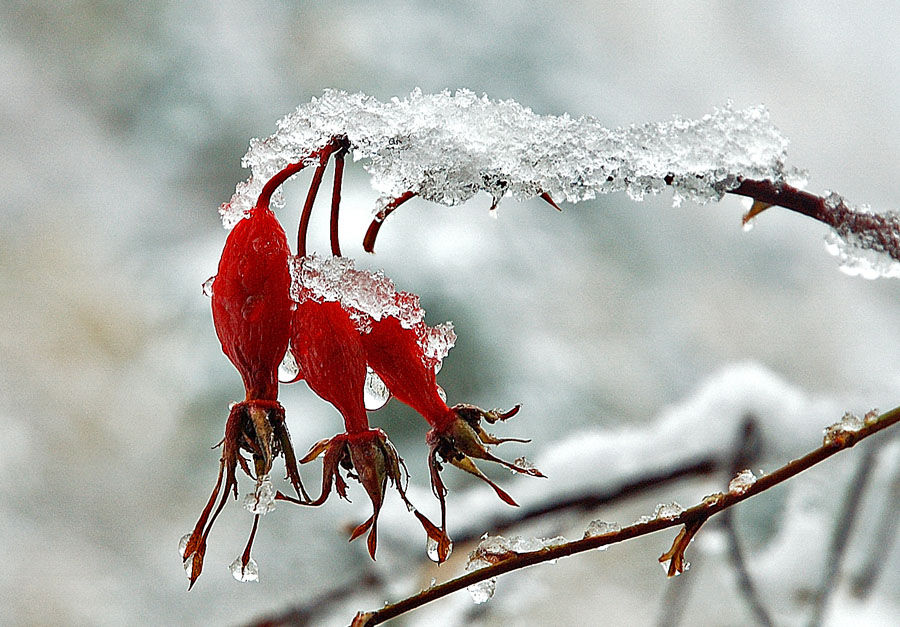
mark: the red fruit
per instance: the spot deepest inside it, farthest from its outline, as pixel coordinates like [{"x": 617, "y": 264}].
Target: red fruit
[
  {"x": 326, "y": 346},
  {"x": 395, "y": 354},
  {"x": 457, "y": 437},
  {"x": 251, "y": 301}
]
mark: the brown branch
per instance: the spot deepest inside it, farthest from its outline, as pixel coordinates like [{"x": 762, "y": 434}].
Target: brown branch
[
  {"x": 691, "y": 518},
  {"x": 881, "y": 233}
]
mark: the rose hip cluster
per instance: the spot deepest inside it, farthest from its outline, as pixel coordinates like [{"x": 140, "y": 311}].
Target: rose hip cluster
[{"x": 258, "y": 321}]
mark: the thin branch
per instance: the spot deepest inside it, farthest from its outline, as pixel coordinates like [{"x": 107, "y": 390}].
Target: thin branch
[
  {"x": 880, "y": 232},
  {"x": 588, "y": 502},
  {"x": 691, "y": 518}
]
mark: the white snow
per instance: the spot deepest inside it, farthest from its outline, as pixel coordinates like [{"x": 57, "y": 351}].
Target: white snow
[
  {"x": 368, "y": 296},
  {"x": 447, "y": 147}
]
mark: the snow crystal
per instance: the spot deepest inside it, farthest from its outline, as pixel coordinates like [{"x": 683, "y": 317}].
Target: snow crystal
[
  {"x": 262, "y": 499},
  {"x": 866, "y": 244},
  {"x": 368, "y": 296},
  {"x": 741, "y": 482},
  {"x": 849, "y": 423},
  {"x": 447, "y": 147}
]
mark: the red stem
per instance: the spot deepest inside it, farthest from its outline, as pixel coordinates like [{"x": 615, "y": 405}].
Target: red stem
[
  {"x": 372, "y": 232},
  {"x": 336, "y": 202}
]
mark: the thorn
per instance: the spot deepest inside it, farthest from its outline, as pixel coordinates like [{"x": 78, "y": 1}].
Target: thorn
[{"x": 545, "y": 196}]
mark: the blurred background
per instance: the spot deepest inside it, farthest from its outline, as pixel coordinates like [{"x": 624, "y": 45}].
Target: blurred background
[{"x": 640, "y": 329}]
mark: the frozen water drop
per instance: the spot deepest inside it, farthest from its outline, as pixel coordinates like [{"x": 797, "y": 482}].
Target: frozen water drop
[
  {"x": 182, "y": 544},
  {"x": 375, "y": 393},
  {"x": 262, "y": 500},
  {"x": 482, "y": 591},
  {"x": 189, "y": 567},
  {"x": 600, "y": 528},
  {"x": 208, "y": 286},
  {"x": 243, "y": 573},
  {"x": 431, "y": 549},
  {"x": 748, "y": 226},
  {"x": 741, "y": 482},
  {"x": 288, "y": 368},
  {"x": 668, "y": 511},
  {"x": 442, "y": 393}
]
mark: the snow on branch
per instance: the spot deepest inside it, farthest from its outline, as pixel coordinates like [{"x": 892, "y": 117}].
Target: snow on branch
[{"x": 447, "y": 147}]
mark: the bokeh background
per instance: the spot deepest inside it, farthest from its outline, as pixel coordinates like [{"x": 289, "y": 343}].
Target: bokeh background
[{"x": 635, "y": 327}]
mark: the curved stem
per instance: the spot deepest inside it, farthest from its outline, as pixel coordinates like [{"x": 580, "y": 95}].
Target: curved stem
[
  {"x": 311, "y": 199},
  {"x": 690, "y": 518},
  {"x": 375, "y": 226}
]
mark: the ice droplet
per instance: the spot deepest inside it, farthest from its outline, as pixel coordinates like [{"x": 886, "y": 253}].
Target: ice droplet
[
  {"x": 850, "y": 423},
  {"x": 665, "y": 567},
  {"x": 431, "y": 549},
  {"x": 208, "y": 286},
  {"x": 741, "y": 482},
  {"x": 242, "y": 573},
  {"x": 482, "y": 591},
  {"x": 189, "y": 567},
  {"x": 262, "y": 500},
  {"x": 747, "y": 226},
  {"x": 600, "y": 528},
  {"x": 375, "y": 393},
  {"x": 288, "y": 368},
  {"x": 182, "y": 544},
  {"x": 523, "y": 463},
  {"x": 668, "y": 511},
  {"x": 442, "y": 393}
]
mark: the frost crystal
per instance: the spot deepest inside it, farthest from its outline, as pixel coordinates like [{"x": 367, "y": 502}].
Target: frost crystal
[
  {"x": 667, "y": 511},
  {"x": 850, "y": 423},
  {"x": 242, "y": 573},
  {"x": 262, "y": 500},
  {"x": 741, "y": 482},
  {"x": 447, "y": 147},
  {"x": 368, "y": 296}
]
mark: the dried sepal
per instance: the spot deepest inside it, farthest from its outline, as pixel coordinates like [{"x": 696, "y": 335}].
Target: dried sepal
[{"x": 675, "y": 555}]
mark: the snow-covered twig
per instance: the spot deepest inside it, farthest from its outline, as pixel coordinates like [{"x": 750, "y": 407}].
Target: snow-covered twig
[{"x": 838, "y": 437}]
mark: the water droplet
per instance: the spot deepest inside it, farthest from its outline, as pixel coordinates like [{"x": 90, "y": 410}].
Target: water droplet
[
  {"x": 288, "y": 369},
  {"x": 482, "y": 591},
  {"x": 189, "y": 567},
  {"x": 182, "y": 544},
  {"x": 748, "y": 226},
  {"x": 431, "y": 549},
  {"x": 442, "y": 393},
  {"x": 242, "y": 573},
  {"x": 208, "y": 286},
  {"x": 375, "y": 393},
  {"x": 437, "y": 367}
]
